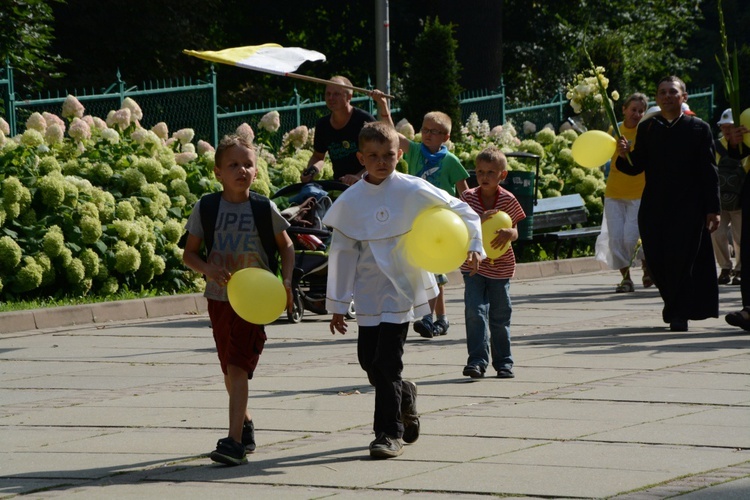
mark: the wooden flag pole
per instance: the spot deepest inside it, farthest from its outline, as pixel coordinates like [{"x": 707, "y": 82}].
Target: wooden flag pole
[{"x": 331, "y": 82}]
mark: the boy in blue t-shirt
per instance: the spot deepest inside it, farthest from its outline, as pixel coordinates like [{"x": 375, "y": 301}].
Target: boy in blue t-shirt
[
  {"x": 431, "y": 161},
  {"x": 238, "y": 243}
]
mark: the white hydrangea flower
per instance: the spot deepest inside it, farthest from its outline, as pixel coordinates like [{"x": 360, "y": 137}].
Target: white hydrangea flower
[
  {"x": 135, "y": 109},
  {"x": 203, "y": 148},
  {"x": 184, "y": 135},
  {"x": 99, "y": 123},
  {"x": 245, "y": 131},
  {"x": 79, "y": 130},
  {"x": 297, "y": 137},
  {"x": 184, "y": 158},
  {"x": 496, "y": 132},
  {"x": 111, "y": 135},
  {"x": 32, "y": 137},
  {"x": 52, "y": 118},
  {"x": 529, "y": 128},
  {"x": 4, "y": 127},
  {"x": 271, "y": 121},
  {"x": 161, "y": 130},
  {"x": 37, "y": 122},
  {"x": 72, "y": 108},
  {"x": 153, "y": 139},
  {"x": 54, "y": 134},
  {"x": 139, "y": 136},
  {"x": 405, "y": 128},
  {"x": 188, "y": 148}
]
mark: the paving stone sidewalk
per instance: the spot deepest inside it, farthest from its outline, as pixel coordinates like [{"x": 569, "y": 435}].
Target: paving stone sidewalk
[{"x": 607, "y": 402}]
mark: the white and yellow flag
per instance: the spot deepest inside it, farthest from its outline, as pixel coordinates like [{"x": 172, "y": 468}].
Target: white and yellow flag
[{"x": 269, "y": 57}]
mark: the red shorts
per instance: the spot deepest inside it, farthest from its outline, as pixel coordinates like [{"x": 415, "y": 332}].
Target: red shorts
[{"x": 238, "y": 342}]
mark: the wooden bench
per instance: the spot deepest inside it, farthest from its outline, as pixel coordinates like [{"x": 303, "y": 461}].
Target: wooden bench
[{"x": 551, "y": 215}]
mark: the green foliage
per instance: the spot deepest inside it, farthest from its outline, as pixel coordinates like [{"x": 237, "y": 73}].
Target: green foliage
[
  {"x": 431, "y": 83},
  {"x": 90, "y": 215},
  {"x": 638, "y": 41},
  {"x": 559, "y": 174},
  {"x": 25, "y": 40}
]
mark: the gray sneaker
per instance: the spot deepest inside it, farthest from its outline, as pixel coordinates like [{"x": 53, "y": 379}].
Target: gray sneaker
[
  {"x": 385, "y": 446},
  {"x": 425, "y": 328},
  {"x": 441, "y": 327},
  {"x": 409, "y": 415}
]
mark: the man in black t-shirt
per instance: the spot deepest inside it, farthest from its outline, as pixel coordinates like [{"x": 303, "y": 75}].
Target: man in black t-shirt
[{"x": 337, "y": 134}]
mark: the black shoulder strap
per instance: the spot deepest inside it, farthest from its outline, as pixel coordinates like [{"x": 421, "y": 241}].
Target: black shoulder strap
[
  {"x": 261, "y": 207},
  {"x": 209, "y": 208},
  {"x": 720, "y": 148}
]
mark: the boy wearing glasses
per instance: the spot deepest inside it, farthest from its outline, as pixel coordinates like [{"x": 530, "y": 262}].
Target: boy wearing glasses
[{"x": 431, "y": 161}]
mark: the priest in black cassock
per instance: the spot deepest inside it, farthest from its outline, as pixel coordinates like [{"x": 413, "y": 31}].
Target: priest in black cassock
[{"x": 679, "y": 207}]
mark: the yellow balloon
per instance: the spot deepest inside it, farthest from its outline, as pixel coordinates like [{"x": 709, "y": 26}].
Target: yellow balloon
[
  {"x": 592, "y": 149},
  {"x": 489, "y": 231},
  {"x": 256, "y": 295},
  {"x": 745, "y": 122},
  {"x": 438, "y": 241}
]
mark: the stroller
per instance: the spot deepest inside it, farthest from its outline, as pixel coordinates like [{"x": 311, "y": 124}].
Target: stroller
[{"x": 304, "y": 206}]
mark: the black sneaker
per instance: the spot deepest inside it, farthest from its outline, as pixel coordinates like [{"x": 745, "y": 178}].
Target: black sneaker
[
  {"x": 725, "y": 277},
  {"x": 425, "y": 328},
  {"x": 409, "y": 415},
  {"x": 248, "y": 436},
  {"x": 385, "y": 446},
  {"x": 505, "y": 373},
  {"x": 229, "y": 452},
  {"x": 441, "y": 327},
  {"x": 473, "y": 371}
]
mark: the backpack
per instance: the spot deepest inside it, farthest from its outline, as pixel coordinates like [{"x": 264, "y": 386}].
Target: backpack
[
  {"x": 261, "y": 207},
  {"x": 731, "y": 178}
]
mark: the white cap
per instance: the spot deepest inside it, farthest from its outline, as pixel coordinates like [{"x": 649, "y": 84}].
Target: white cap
[
  {"x": 652, "y": 111},
  {"x": 726, "y": 117}
]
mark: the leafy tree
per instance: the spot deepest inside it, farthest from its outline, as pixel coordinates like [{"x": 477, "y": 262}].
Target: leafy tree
[
  {"x": 142, "y": 38},
  {"x": 637, "y": 42},
  {"x": 25, "y": 41},
  {"x": 706, "y": 44},
  {"x": 431, "y": 81}
]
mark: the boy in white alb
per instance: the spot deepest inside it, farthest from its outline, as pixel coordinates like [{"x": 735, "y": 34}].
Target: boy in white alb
[{"x": 367, "y": 262}]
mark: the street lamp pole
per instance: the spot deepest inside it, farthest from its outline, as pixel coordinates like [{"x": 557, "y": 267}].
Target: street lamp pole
[{"x": 383, "y": 46}]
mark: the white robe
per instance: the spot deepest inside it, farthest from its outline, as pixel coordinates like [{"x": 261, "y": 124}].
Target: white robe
[{"x": 367, "y": 261}]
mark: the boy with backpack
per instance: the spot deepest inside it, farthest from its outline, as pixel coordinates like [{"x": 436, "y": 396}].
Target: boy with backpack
[
  {"x": 239, "y": 229},
  {"x": 732, "y": 173}
]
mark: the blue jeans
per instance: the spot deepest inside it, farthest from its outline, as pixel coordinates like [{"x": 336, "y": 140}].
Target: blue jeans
[{"x": 487, "y": 312}]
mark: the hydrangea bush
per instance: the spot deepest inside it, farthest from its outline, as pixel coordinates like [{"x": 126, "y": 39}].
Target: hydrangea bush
[
  {"x": 89, "y": 206},
  {"x": 587, "y": 100},
  {"x": 558, "y": 173}
]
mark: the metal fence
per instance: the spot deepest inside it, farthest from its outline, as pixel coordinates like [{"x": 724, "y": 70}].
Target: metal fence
[{"x": 192, "y": 103}]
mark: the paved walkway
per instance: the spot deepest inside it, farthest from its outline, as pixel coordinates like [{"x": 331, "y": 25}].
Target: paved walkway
[{"x": 606, "y": 403}]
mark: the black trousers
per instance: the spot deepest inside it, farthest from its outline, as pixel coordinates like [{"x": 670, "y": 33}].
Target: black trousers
[
  {"x": 745, "y": 244},
  {"x": 380, "y": 350}
]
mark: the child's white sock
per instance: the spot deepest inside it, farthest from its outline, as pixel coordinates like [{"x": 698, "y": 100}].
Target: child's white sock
[{"x": 443, "y": 317}]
